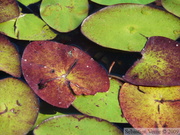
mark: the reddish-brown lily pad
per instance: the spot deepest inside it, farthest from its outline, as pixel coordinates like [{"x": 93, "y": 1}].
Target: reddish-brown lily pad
[
  {"x": 151, "y": 107},
  {"x": 8, "y": 10},
  {"x": 159, "y": 64},
  {"x": 57, "y": 72}
]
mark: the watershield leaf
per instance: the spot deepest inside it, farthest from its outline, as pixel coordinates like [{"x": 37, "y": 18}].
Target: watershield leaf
[
  {"x": 126, "y": 26},
  {"x": 102, "y": 105},
  {"x": 9, "y": 58},
  {"x": 58, "y": 72},
  {"x": 28, "y": 2},
  {"x": 18, "y": 107},
  {"x": 172, "y": 6},
  {"x": 64, "y": 15},
  {"x": 159, "y": 64},
  {"x": 8, "y": 10},
  {"x": 76, "y": 125},
  {"x": 112, "y": 2},
  {"x": 151, "y": 107},
  {"x": 27, "y": 27}
]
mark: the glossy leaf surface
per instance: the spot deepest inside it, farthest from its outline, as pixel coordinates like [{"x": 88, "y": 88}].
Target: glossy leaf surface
[
  {"x": 27, "y": 27},
  {"x": 64, "y": 16},
  {"x": 151, "y": 107},
  {"x": 172, "y": 6},
  {"x": 126, "y": 26},
  {"x": 112, "y": 2},
  {"x": 57, "y": 72},
  {"x": 8, "y": 10},
  {"x": 76, "y": 125},
  {"x": 159, "y": 64},
  {"x": 9, "y": 57},
  {"x": 18, "y": 107},
  {"x": 102, "y": 105}
]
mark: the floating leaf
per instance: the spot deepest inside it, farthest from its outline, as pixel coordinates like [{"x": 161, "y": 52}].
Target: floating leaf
[
  {"x": 64, "y": 15},
  {"x": 112, "y": 2},
  {"x": 151, "y": 107},
  {"x": 126, "y": 26},
  {"x": 76, "y": 125},
  {"x": 56, "y": 72},
  {"x": 8, "y": 10},
  {"x": 28, "y": 2},
  {"x": 27, "y": 27},
  {"x": 18, "y": 107},
  {"x": 159, "y": 64},
  {"x": 102, "y": 105},
  {"x": 9, "y": 57},
  {"x": 172, "y": 6}
]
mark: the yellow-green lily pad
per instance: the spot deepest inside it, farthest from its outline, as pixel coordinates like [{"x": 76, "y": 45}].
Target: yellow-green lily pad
[
  {"x": 159, "y": 64},
  {"x": 9, "y": 58},
  {"x": 18, "y": 107},
  {"x": 28, "y": 2},
  {"x": 8, "y": 10},
  {"x": 102, "y": 105},
  {"x": 76, "y": 125},
  {"x": 64, "y": 15},
  {"x": 126, "y": 26},
  {"x": 27, "y": 27}
]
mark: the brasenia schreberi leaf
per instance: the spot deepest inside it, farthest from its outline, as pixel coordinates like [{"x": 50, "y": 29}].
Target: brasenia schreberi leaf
[
  {"x": 159, "y": 64},
  {"x": 126, "y": 26},
  {"x": 58, "y": 72}
]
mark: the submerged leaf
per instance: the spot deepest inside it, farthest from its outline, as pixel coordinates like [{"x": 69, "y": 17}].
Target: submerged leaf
[
  {"x": 102, "y": 105},
  {"x": 64, "y": 15},
  {"x": 18, "y": 107},
  {"x": 126, "y": 26},
  {"x": 76, "y": 125},
  {"x": 8, "y": 10},
  {"x": 159, "y": 64},
  {"x": 112, "y": 2},
  {"x": 57, "y": 72},
  {"x": 27, "y": 27},
  {"x": 151, "y": 107},
  {"x": 9, "y": 58}
]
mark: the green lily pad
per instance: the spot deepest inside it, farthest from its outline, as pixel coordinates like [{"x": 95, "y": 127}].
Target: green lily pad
[
  {"x": 18, "y": 107},
  {"x": 102, "y": 105},
  {"x": 9, "y": 58},
  {"x": 151, "y": 107},
  {"x": 8, "y": 10},
  {"x": 76, "y": 125},
  {"x": 126, "y": 26},
  {"x": 28, "y": 2},
  {"x": 27, "y": 27},
  {"x": 64, "y": 15},
  {"x": 172, "y": 6},
  {"x": 159, "y": 64},
  {"x": 41, "y": 117},
  {"x": 58, "y": 72},
  {"x": 112, "y": 2}
]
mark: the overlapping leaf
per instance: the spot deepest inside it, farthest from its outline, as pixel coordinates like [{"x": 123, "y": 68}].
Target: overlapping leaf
[{"x": 57, "y": 72}]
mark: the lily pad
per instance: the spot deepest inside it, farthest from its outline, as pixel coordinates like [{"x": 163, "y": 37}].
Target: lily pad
[
  {"x": 8, "y": 10},
  {"x": 159, "y": 64},
  {"x": 151, "y": 107},
  {"x": 27, "y": 27},
  {"x": 18, "y": 107},
  {"x": 172, "y": 6},
  {"x": 112, "y": 2},
  {"x": 102, "y": 105},
  {"x": 28, "y": 2},
  {"x": 76, "y": 125},
  {"x": 64, "y": 15},
  {"x": 58, "y": 72},
  {"x": 9, "y": 58},
  {"x": 126, "y": 26}
]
